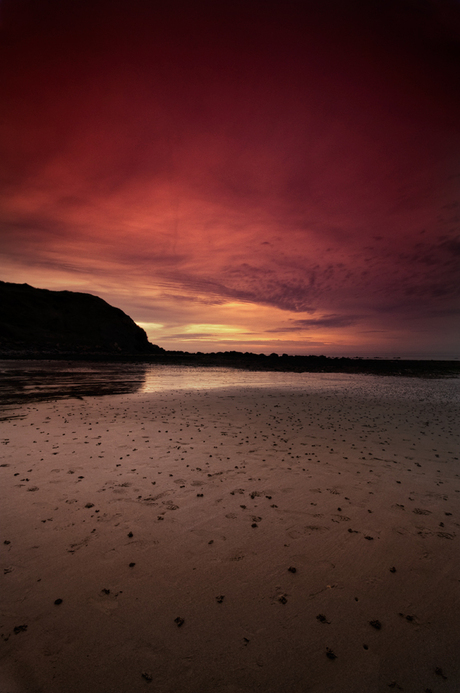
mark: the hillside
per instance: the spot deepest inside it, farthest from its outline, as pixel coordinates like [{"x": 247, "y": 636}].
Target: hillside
[{"x": 39, "y": 321}]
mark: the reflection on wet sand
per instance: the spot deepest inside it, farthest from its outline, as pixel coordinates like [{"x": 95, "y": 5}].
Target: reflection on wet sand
[{"x": 26, "y": 381}]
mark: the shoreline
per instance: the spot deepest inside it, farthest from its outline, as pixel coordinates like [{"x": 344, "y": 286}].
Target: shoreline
[{"x": 422, "y": 368}]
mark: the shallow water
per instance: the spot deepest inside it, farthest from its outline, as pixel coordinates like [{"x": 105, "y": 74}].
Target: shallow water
[
  {"x": 25, "y": 381},
  {"x": 173, "y": 378}
]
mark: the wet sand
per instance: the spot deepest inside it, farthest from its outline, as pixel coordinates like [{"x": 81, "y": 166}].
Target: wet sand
[{"x": 231, "y": 541}]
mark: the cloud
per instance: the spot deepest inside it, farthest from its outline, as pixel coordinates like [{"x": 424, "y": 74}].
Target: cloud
[
  {"x": 326, "y": 321},
  {"x": 301, "y": 160},
  {"x": 192, "y": 335}
]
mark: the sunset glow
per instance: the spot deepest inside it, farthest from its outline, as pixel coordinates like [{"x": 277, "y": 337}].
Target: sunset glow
[{"x": 264, "y": 176}]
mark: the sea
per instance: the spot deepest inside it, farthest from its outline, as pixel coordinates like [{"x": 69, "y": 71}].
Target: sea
[{"x": 24, "y": 381}]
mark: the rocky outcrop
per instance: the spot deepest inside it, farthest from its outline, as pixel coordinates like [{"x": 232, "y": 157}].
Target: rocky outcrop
[{"x": 38, "y": 321}]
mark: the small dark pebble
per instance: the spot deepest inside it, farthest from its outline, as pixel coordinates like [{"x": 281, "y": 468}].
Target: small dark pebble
[
  {"x": 292, "y": 569},
  {"x": 89, "y": 505},
  {"x": 7, "y": 542},
  {"x": 104, "y": 590},
  {"x": 366, "y": 647},
  {"x": 254, "y": 524},
  {"x": 147, "y": 676},
  {"x": 179, "y": 621},
  {"x": 438, "y": 671},
  {"x": 322, "y": 618},
  {"x": 409, "y": 618},
  {"x": 211, "y": 541},
  {"x": 131, "y": 565},
  {"x": 369, "y": 538},
  {"x": 20, "y": 629},
  {"x": 199, "y": 495},
  {"x": 375, "y": 624},
  {"x": 220, "y": 598},
  {"x": 330, "y": 653},
  {"x": 393, "y": 570},
  {"x": 282, "y": 599},
  {"x": 130, "y": 535},
  {"x": 58, "y": 601}
]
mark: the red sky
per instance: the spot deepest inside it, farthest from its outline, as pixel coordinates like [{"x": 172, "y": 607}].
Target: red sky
[{"x": 261, "y": 176}]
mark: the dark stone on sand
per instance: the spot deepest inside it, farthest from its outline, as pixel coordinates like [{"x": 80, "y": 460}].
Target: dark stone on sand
[
  {"x": 20, "y": 629},
  {"x": 180, "y": 621},
  {"x": 220, "y": 598},
  {"x": 254, "y": 524},
  {"x": 292, "y": 569},
  {"x": 322, "y": 618},
  {"x": 393, "y": 570},
  {"x": 147, "y": 676},
  {"x": 130, "y": 535},
  {"x": 131, "y": 565},
  {"x": 282, "y": 599},
  {"x": 330, "y": 653},
  {"x": 375, "y": 624},
  {"x": 58, "y": 601},
  {"x": 439, "y": 672}
]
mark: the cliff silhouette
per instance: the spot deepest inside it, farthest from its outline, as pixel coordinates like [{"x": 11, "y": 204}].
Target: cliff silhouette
[
  {"x": 44, "y": 324},
  {"x": 39, "y": 321}
]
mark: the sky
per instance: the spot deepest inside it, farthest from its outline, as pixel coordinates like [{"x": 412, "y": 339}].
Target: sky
[{"x": 265, "y": 176}]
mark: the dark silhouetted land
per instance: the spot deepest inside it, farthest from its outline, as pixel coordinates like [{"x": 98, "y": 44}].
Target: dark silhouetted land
[{"x": 43, "y": 324}]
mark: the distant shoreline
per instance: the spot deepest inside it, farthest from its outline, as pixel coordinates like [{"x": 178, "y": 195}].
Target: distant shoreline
[{"x": 259, "y": 362}]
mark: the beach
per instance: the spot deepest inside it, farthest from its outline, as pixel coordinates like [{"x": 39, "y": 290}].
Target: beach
[{"x": 231, "y": 540}]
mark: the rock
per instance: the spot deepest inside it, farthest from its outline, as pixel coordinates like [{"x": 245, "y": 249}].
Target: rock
[
  {"x": 20, "y": 629},
  {"x": 39, "y": 321}
]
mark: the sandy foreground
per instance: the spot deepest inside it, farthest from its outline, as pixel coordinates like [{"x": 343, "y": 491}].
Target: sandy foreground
[{"x": 230, "y": 541}]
